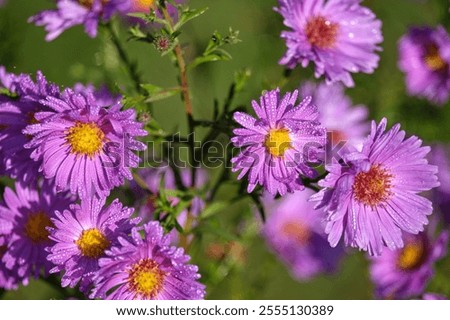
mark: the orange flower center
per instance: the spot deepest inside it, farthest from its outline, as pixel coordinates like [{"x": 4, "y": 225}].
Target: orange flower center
[
  {"x": 296, "y": 231},
  {"x": 277, "y": 142},
  {"x": 142, "y": 5},
  {"x": 36, "y": 227},
  {"x": 412, "y": 255},
  {"x": 434, "y": 60},
  {"x": 321, "y": 33},
  {"x": 92, "y": 243},
  {"x": 372, "y": 187},
  {"x": 146, "y": 278}
]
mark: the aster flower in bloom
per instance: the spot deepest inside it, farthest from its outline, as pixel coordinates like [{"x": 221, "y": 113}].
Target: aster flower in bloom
[
  {"x": 440, "y": 156},
  {"x": 405, "y": 273},
  {"x": 337, "y": 113},
  {"x": 82, "y": 234},
  {"x": 29, "y": 211},
  {"x": 340, "y": 37},
  {"x": 147, "y": 269},
  {"x": 372, "y": 197},
  {"x": 15, "y": 115},
  {"x": 425, "y": 60},
  {"x": 294, "y": 230},
  {"x": 70, "y": 13},
  {"x": 277, "y": 146},
  {"x": 87, "y": 148}
]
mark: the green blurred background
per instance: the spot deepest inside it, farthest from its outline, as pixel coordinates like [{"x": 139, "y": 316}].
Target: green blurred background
[{"x": 250, "y": 271}]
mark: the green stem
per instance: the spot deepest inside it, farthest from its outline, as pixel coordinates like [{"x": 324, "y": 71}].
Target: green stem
[{"x": 129, "y": 65}]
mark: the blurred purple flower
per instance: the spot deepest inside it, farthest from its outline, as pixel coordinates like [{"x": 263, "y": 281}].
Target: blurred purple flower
[
  {"x": 337, "y": 113},
  {"x": 29, "y": 212},
  {"x": 87, "y": 148},
  {"x": 425, "y": 60},
  {"x": 405, "y": 273},
  {"x": 70, "y": 13},
  {"x": 82, "y": 234},
  {"x": 372, "y": 197},
  {"x": 440, "y": 156},
  {"x": 294, "y": 230},
  {"x": 339, "y": 36},
  {"x": 279, "y": 144},
  {"x": 147, "y": 269},
  {"x": 103, "y": 97}
]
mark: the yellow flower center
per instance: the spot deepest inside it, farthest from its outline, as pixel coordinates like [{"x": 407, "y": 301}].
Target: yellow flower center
[
  {"x": 85, "y": 138},
  {"x": 36, "y": 227},
  {"x": 412, "y": 255},
  {"x": 146, "y": 278},
  {"x": 277, "y": 142},
  {"x": 142, "y": 5},
  {"x": 321, "y": 32},
  {"x": 92, "y": 243},
  {"x": 372, "y": 187},
  {"x": 434, "y": 60},
  {"x": 296, "y": 231}
]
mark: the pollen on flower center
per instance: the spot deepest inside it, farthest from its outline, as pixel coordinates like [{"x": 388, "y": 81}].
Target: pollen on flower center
[
  {"x": 92, "y": 243},
  {"x": 296, "y": 231},
  {"x": 146, "y": 278},
  {"x": 85, "y": 138},
  {"x": 36, "y": 227},
  {"x": 433, "y": 59},
  {"x": 277, "y": 142},
  {"x": 321, "y": 32},
  {"x": 372, "y": 187},
  {"x": 411, "y": 256}
]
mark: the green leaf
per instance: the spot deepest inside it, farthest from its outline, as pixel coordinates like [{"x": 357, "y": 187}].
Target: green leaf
[
  {"x": 156, "y": 93},
  {"x": 214, "y": 208},
  {"x": 187, "y": 15}
]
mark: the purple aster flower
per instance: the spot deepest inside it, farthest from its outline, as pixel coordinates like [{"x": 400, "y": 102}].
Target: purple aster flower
[
  {"x": 440, "y": 156},
  {"x": 295, "y": 232},
  {"x": 147, "y": 269},
  {"x": 29, "y": 211},
  {"x": 15, "y": 115},
  {"x": 373, "y": 196},
  {"x": 82, "y": 234},
  {"x": 339, "y": 36},
  {"x": 337, "y": 113},
  {"x": 425, "y": 60},
  {"x": 405, "y": 273},
  {"x": 279, "y": 144},
  {"x": 103, "y": 97},
  {"x": 70, "y": 13},
  {"x": 85, "y": 147}
]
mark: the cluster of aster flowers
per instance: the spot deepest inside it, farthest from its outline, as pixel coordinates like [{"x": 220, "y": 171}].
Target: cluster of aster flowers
[{"x": 70, "y": 147}]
